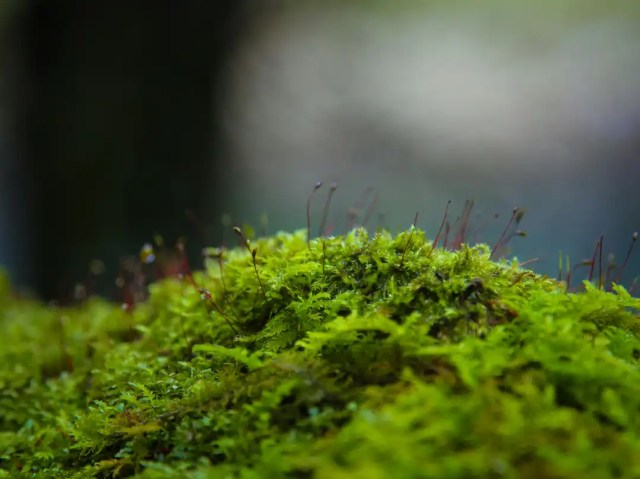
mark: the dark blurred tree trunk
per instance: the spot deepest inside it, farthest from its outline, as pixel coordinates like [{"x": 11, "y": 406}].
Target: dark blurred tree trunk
[{"x": 119, "y": 125}]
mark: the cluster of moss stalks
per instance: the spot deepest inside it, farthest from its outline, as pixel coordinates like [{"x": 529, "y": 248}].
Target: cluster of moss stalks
[{"x": 353, "y": 356}]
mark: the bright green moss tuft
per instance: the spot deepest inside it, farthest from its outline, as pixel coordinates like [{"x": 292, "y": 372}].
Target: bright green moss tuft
[{"x": 352, "y": 363}]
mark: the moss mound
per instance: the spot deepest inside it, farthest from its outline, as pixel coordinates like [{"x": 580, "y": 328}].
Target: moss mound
[{"x": 356, "y": 356}]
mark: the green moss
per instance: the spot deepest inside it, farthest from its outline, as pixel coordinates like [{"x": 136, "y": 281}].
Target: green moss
[{"x": 362, "y": 357}]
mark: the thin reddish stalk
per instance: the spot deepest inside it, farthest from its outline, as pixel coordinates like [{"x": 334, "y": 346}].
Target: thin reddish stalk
[
  {"x": 504, "y": 232},
  {"x": 315, "y": 188},
  {"x": 634, "y": 238},
  {"x": 444, "y": 218}
]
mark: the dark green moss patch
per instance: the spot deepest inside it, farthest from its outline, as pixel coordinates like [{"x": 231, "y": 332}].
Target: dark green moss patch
[{"x": 350, "y": 361}]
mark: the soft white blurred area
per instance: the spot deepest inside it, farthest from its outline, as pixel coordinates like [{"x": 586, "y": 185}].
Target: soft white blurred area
[{"x": 507, "y": 105}]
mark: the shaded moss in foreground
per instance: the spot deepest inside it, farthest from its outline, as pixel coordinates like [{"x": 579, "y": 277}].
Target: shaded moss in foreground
[{"x": 350, "y": 362}]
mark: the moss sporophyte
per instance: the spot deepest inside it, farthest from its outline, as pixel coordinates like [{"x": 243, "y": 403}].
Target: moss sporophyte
[{"x": 336, "y": 357}]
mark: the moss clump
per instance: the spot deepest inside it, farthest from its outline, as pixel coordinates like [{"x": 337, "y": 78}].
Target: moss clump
[{"x": 359, "y": 357}]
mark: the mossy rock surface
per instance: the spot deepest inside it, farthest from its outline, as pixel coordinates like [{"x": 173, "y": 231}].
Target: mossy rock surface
[{"x": 358, "y": 356}]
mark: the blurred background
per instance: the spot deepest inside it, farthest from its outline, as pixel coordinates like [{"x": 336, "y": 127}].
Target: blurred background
[{"x": 116, "y": 119}]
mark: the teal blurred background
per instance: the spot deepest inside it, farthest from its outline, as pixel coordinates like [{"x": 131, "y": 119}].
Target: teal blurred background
[{"x": 115, "y": 119}]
